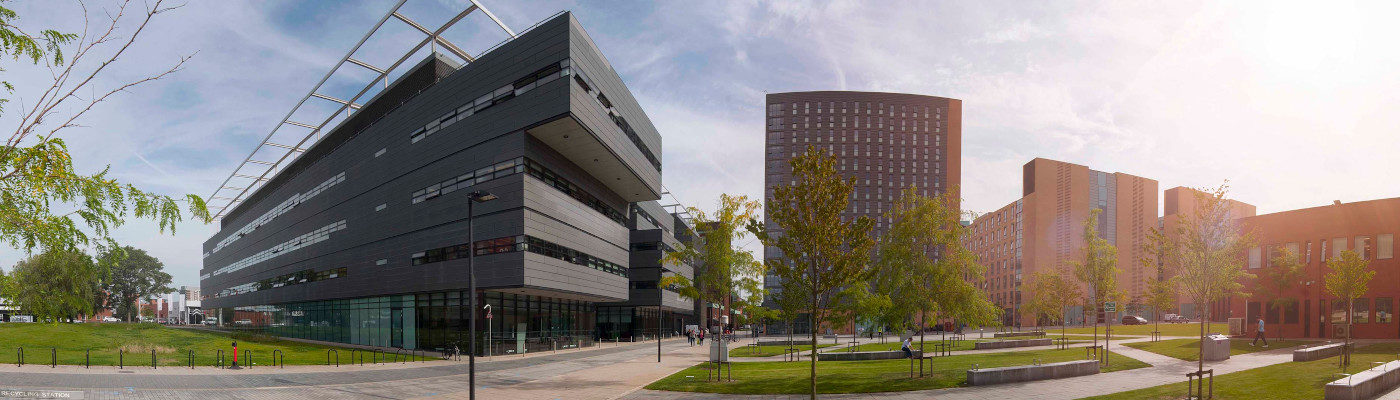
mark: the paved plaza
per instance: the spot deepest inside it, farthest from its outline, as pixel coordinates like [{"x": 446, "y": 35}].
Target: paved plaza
[{"x": 609, "y": 371}]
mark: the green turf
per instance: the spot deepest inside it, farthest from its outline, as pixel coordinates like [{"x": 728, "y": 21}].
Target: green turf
[
  {"x": 1286, "y": 381},
  {"x": 777, "y": 377},
  {"x": 771, "y": 350},
  {"x": 1187, "y": 329},
  {"x": 1189, "y": 349},
  {"x": 958, "y": 345},
  {"x": 172, "y": 345}
]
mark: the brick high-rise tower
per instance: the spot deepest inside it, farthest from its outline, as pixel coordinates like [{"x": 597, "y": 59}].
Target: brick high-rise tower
[{"x": 886, "y": 141}]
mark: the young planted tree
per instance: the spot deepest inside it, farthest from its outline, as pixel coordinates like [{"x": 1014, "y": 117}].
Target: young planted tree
[
  {"x": 1282, "y": 280},
  {"x": 822, "y": 252},
  {"x": 1206, "y": 249},
  {"x": 53, "y": 286},
  {"x": 44, "y": 202},
  {"x": 1098, "y": 271},
  {"x": 1161, "y": 295},
  {"x": 722, "y": 268},
  {"x": 1052, "y": 293},
  {"x": 926, "y": 270},
  {"x": 1349, "y": 279}
]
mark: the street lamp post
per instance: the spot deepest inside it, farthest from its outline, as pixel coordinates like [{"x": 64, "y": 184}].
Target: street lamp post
[{"x": 473, "y": 198}]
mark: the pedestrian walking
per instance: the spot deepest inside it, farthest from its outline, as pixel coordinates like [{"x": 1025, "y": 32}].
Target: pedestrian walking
[
  {"x": 702, "y": 338},
  {"x": 907, "y": 346},
  {"x": 1260, "y": 334},
  {"x": 690, "y": 337}
]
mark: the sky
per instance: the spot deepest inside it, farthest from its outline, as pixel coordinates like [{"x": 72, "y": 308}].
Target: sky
[{"x": 1291, "y": 102}]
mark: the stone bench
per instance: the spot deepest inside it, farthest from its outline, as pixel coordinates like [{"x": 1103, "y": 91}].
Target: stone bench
[
  {"x": 1024, "y": 373},
  {"x": 1317, "y": 352},
  {"x": 1015, "y": 334},
  {"x": 864, "y": 355},
  {"x": 1365, "y": 384},
  {"x": 784, "y": 342},
  {"x": 1002, "y": 344}
]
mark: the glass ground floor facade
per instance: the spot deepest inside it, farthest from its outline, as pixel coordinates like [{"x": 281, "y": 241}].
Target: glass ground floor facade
[{"x": 439, "y": 320}]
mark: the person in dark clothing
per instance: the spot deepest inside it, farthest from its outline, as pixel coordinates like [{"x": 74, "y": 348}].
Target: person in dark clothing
[{"x": 907, "y": 346}]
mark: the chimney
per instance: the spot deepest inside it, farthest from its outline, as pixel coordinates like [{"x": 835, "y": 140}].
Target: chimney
[{"x": 1336, "y": 202}]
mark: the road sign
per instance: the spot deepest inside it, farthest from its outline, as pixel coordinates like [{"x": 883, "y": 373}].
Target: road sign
[
  {"x": 488, "y": 315},
  {"x": 1110, "y": 307}
]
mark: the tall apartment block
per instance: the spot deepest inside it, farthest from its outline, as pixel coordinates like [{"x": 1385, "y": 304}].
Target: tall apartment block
[
  {"x": 363, "y": 238},
  {"x": 1043, "y": 230},
  {"x": 885, "y": 141}
]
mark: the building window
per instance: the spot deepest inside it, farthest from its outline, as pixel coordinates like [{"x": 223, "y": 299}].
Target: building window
[
  {"x": 1363, "y": 247},
  {"x": 1361, "y": 311},
  {"x": 1254, "y": 258},
  {"x": 1339, "y": 311},
  {"x": 1385, "y": 247},
  {"x": 1338, "y": 244}
]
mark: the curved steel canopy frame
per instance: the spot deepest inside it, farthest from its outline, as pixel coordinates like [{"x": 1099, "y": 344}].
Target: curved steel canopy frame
[{"x": 253, "y": 172}]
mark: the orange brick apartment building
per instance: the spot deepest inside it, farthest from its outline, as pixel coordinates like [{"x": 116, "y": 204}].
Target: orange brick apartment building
[{"x": 1043, "y": 230}]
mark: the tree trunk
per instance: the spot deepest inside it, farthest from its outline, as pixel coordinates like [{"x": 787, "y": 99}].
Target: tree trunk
[
  {"x": 814, "y": 346},
  {"x": 922, "y": 316},
  {"x": 1201, "y": 346}
]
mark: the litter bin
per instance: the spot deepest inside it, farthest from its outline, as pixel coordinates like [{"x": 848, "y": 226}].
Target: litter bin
[{"x": 1217, "y": 347}]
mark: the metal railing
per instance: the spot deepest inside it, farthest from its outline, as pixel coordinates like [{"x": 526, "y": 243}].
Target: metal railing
[{"x": 1197, "y": 381}]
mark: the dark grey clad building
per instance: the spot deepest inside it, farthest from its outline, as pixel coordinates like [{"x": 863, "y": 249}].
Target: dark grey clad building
[{"x": 363, "y": 238}]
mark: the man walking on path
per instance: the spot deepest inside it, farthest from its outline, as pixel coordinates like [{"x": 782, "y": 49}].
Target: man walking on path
[
  {"x": 1260, "y": 334},
  {"x": 690, "y": 337}
]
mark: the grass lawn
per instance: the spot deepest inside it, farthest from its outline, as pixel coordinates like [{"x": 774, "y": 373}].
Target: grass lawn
[
  {"x": 777, "y": 377},
  {"x": 1187, "y": 329},
  {"x": 1289, "y": 380},
  {"x": 771, "y": 350},
  {"x": 1188, "y": 349},
  {"x": 957, "y": 345},
  {"x": 172, "y": 345}
]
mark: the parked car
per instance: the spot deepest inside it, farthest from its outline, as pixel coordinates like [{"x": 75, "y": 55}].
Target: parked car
[
  {"x": 110, "y": 319},
  {"x": 1174, "y": 319},
  {"x": 1133, "y": 320}
]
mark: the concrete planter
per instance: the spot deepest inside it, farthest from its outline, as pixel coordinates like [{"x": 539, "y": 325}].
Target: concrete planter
[
  {"x": 1024, "y": 373},
  {"x": 1365, "y": 384},
  {"x": 1002, "y": 344},
  {"x": 1317, "y": 352}
]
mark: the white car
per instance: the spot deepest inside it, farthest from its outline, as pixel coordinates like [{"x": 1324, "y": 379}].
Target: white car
[{"x": 110, "y": 319}]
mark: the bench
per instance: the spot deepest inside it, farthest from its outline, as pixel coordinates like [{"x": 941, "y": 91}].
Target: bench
[
  {"x": 1317, "y": 352},
  {"x": 1035, "y": 372},
  {"x": 1015, "y": 334},
  {"x": 1365, "y": 384},
  {"x": 1002, "y": 344},
  {"x": 865, "y": 355}
]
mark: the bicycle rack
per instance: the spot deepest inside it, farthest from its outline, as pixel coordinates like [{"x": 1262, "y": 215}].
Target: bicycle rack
[
  {"x": 191, "y": 359},
  {"x": 153, "y": 358},
  {"x": 121, "y": 358},
  {"x": 219, "y": 358},
  {"x": 374, "y": 356},
  {"x": 353, "y": 352},
  {"x": 19, "y": 360},
  {"x": 247, "y": 358},
  {"x": 328, "y": 357},
  {"x": 53, "y": 354},
  {"x": 87, "y": 359},
  {"x": 277, "y": 359}
]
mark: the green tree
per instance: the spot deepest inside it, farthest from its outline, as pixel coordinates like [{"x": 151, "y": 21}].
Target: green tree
[
  {"x": 924, "y": 266},
  {"x": 1052, "y": 293},
  {"x": 53, "y": 286},
  {"x": 1349, "y": 279},
  {"x": 1206, "y": 249},
  {"x": 134, "y": 276},
  {"x": 1282, "y": 279},
  {"x": 44, "y": 202},
  {"x": 1161, "y": 295},
  {"x": 822, "y": 252},
  {"x": 722, "y": 269},
  {"x": 1098, "y": 271}
]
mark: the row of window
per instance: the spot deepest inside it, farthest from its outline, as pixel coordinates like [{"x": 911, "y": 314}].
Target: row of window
[
  {"x": 1362, "y": 311},
  {"x": 498, "y": 96},
  {"x": 776, "y": 109},
  {"x": 294, "y": 278},
  {"x": 510, "y": 244},
  {"x": 583, "y": 82},
  {"x": 316, "y": 236},
  {"x": 1382, "y": 248},
  {"x": 283, "y": 208},
  {"x": 490, "y": 172}
]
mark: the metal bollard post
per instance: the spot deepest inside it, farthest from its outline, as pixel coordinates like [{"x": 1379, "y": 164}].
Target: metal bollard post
[
  {"x": 153, "y": 359},
  {"x": 19, "y": 359},
  {"x": 53, "y": 354},
  {"x": 191, "y": 359},
  {"x": 121, "y": 358},
  {"x": 219, "y": 358},
  {"x": 87, "y": 359},
  {"x": 247, "y": 358}
]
